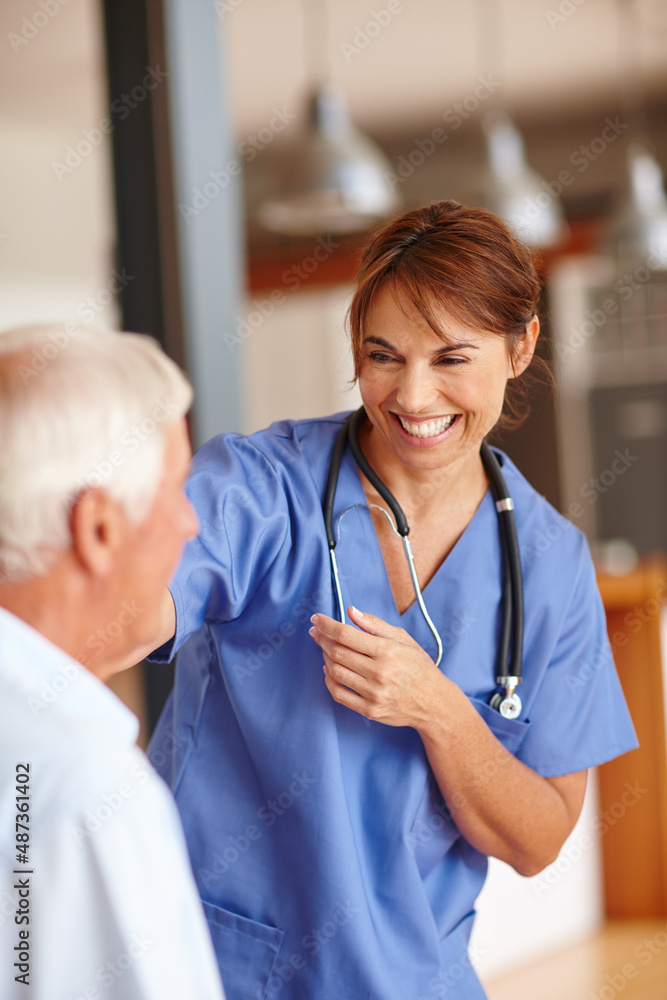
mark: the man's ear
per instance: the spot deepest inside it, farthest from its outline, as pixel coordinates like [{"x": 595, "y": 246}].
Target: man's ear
[
  {"x": 526, "y": 347},
  {"x": 97, "y": 525}
]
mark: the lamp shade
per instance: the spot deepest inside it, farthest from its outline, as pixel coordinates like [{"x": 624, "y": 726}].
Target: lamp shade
[
  {"x": 331, "y": 179},
  {"x": 514, "y": 191},
  {"x": 638, "y": 232}
]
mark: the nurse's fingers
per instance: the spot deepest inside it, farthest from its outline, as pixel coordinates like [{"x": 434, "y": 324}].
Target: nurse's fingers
[
  {"x": 346, "y": 635},
  {"x": 341, "y": 653},
  {"x": 345, "y": 677},
  {"x": 377, "y": 626},
  {"x": 345, "y": 695},
  {"x": 368, "y": 627}
]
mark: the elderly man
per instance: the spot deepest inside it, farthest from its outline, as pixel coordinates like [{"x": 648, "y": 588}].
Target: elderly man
[{"x": 97, "y": 899}]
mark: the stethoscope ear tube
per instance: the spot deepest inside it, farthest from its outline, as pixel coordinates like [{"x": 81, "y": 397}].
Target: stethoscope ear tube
[
  {"x": 332, "y": 482},
  {"x": 512, "y": 577},
  {"x": 516, "y": 580},
  {"x": 372, "y": 476},
  {"x": 328, "y": 505},
  {"x": 509, "y": 673}
]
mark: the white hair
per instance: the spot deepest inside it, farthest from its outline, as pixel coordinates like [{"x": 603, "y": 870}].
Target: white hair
[{"x": 79, "y": 408}]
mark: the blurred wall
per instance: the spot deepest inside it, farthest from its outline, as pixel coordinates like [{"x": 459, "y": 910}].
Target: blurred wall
[
  {"x": 57, "y": 230},
  {"x": 56, "y": 214}
]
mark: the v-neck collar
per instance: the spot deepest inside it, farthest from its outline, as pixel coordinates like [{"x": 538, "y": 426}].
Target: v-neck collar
[{"x": 356, "y": 496}]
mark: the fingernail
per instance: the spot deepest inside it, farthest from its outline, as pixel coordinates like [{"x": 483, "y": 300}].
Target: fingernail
[
  {"x": 311, "y": 631},
  {"x": 313, "y": 618},
  {"x": 357, "y": 612}
]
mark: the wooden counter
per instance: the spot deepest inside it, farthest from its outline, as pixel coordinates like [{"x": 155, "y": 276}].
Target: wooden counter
[{"x": 633, "y": 788}]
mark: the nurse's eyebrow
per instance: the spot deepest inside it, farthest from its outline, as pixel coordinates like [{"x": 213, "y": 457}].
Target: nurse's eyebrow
[{"x": 440, "y": 350}]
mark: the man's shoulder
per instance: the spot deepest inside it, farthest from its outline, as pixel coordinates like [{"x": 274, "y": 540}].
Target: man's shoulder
[{"x": 81, "y": 776}]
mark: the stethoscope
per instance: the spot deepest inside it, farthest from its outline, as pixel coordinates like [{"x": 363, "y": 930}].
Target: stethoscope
[{"x": 507, "y": 702}]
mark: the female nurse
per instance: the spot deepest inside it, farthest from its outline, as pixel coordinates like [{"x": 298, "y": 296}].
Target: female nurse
[{"x": 340, "y": 792}]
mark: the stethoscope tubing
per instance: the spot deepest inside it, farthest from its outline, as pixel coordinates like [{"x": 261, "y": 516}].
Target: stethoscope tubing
[{"x": 511, "y": 632}]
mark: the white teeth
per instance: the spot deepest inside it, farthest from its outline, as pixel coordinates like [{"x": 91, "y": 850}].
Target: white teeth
[{"x": 427, "y": 428}]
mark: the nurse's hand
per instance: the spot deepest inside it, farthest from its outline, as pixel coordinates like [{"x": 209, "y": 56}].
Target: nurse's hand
[{"x": 377, "y": 669}]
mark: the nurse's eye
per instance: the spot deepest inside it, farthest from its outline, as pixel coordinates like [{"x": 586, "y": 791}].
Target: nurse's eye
[
  {"x": 451, "y": 362},
  {"x": 380, "y": 358}
]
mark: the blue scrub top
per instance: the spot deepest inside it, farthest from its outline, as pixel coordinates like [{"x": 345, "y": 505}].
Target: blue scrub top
[{"x": 329, "y": 865}]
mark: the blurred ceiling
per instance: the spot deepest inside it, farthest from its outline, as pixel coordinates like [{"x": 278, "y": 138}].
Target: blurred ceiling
[
  {"x": 400, "y": 63},
  {"x": 401, "y": 69},
  {"x": 556, "y": 65}
]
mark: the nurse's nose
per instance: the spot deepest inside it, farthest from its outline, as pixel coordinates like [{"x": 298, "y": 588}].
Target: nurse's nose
[{"x": 417, "y": 391}]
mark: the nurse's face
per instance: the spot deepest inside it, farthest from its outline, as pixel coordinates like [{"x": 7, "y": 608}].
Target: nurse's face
[{"x": 431, "y": 402}]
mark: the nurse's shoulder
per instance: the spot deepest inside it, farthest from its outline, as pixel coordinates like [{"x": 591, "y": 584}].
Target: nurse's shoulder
[
  {"x": 279, "y": 446},
  {"x": 229, "y": 462}
]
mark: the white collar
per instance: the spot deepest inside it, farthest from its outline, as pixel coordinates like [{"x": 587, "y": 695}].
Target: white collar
[{"x": 32, "y": 667}]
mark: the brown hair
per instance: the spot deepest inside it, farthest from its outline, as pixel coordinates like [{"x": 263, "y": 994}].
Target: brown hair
[{"x": 463, "y": 259}]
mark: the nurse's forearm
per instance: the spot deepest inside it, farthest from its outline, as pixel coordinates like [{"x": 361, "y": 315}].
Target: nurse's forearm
[{"x": 501, "y": 806}]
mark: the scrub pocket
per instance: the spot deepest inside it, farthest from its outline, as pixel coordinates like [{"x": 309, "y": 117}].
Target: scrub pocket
[
  {"x": 510, "y": 732},
  {"x": 246, "y": 951}
]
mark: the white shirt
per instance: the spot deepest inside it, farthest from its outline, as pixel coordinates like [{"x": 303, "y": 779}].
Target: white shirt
[{"x": 108, "y": 889}]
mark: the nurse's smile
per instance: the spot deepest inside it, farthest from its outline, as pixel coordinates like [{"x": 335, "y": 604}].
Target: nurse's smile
[
  {"x": 428, "y": 430},
  {"x": 431, "y": 397}
]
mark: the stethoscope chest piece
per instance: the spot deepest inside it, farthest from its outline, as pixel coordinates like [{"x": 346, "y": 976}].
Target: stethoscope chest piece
[{"x": 509, "y": 705}]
